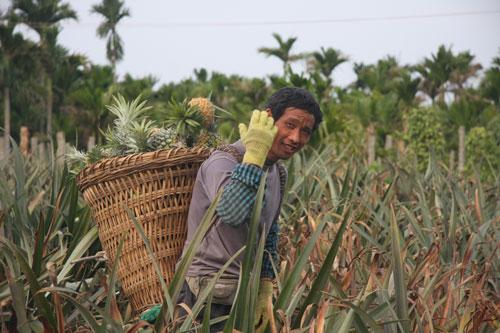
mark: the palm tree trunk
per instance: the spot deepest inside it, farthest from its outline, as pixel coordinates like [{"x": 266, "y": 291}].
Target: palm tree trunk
[
  {"x": 461, "y": 148},
  {"x": 24, "y": 140},
  {"x": 451, "y": 161},
  {"x": 90, "y": 142},
  {"x": 388, "y": 142},
  {"x": 400, "y": 144},
  {"x": 6, "y": 120},
  {"x": 113, "y": 68},
  {"x": 49, "y": 105},
  {"x": 370, "y": 143}
]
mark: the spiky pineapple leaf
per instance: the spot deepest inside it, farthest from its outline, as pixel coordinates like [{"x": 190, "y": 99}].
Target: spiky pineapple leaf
[
  {"x": 137, "y": 135},
  {"x": 186, "y": 119},
  {"x": 127, "y": 112}
]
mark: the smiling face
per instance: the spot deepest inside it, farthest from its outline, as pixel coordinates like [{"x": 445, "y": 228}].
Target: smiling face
[{"x": 295, "y": 127}]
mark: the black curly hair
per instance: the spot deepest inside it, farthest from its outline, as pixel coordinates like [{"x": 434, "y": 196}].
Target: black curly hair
[{"x": 294, "y": 97}]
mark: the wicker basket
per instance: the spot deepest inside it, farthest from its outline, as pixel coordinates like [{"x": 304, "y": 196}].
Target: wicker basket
[{"x": 157, "y": 187}]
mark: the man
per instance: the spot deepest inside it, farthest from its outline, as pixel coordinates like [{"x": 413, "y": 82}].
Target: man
[{"x": 291, "y": 116}]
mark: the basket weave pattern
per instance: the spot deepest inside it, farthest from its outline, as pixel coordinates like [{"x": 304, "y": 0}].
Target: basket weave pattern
[{"x": 157, "y": 187}]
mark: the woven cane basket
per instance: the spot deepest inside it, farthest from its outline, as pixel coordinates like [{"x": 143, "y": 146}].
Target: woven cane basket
[{"x": 157, "y": 187}]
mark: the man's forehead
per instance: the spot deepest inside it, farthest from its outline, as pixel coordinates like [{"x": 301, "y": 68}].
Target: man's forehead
[{"x": 299, "y": 115}]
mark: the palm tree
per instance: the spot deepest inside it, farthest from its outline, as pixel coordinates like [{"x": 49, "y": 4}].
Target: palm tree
[
  {"x": 465, "y": 113},
  {"x": 327, "y": 60},
  {"x": 393, "y": 92},
  {"x": 113, "y": 12},
  {"x": 87, "y": 101},
  {"x": 375, "y": 112},
  {"x": 442, "y": 70},
  {"x": 463, "y": 70},
  {"x": 444, "y": 73},
  {"x": 406, "y": 89},
  {"x": 10, "y": 43},
  {"x": 16, "y": 60},
  {"x": 43, "y": 16},
  {"x": 379, "y": 77},
  {"x": 435, "y": 72},
  {"x": 490, "y": 84},
  {"x": 283, "y": 51}
]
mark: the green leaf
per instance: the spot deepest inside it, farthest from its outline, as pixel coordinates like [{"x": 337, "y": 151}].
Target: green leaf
[
  {"x": 291, "y": 282},
  {"x": 207, "y": 293},
  {"x": 319, "y": 283},
  {"x": 18, "y": 300},
  {"x": 187, "y": 258},
  {"x": 399, "y": 281},
  {"x": 41, "y": 302},
  {"x": 239, "y": 313},
  {"x": 154, "y": 260},
  {"x": 86, "y": 314},
  {"x": 111, "y": 291},
  {"x": 78, "y": 252}
]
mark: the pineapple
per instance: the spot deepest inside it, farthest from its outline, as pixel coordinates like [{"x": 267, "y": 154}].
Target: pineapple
[
  {"x": 132, "y": 132},
  {"x": 162, "y": 138},
  {"x": 185, "y": 119},
  {"x": 208, "y": 139},
  {"x": 206, "y": 108}
]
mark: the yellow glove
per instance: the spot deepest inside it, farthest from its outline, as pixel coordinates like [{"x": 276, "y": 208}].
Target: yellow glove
[
  {"x": 264, "y": 305},
  {"x": 258, "y": 137}
]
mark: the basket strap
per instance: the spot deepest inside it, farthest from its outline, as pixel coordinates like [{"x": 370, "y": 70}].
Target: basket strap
[{"x": 239, "y": 157}]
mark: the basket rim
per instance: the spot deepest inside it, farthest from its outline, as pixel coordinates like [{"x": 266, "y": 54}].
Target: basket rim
[{"x": 116, "y": 167}]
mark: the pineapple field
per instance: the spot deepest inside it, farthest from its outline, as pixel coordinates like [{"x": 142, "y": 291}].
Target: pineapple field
[{"x": 362, "y": 250}]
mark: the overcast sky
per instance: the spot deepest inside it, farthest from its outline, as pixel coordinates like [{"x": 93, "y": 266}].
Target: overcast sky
[{"x": 168, "y": 39}]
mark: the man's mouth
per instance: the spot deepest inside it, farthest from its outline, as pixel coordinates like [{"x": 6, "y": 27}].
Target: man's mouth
[{"x": 290, "y": 149}]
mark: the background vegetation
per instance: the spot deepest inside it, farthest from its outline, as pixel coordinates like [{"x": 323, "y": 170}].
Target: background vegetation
[{"x": 391, "y": 218}]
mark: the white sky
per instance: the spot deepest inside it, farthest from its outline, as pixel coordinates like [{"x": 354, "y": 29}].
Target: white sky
[{"x": 169, "y": 39}]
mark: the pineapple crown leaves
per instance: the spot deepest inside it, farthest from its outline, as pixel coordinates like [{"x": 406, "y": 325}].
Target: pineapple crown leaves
[
  {"x": 131, "y": 128},
  {"x": 185, "y": 118},
  {"x": 139, "y": 132},
  {"x": 75, "y": 159},
  {"x": 113, "y": 140},
  {"x": 127, "y": 112}
]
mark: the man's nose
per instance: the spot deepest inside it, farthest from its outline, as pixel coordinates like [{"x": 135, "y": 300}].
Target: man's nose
[{"x": 295, "y": 135}]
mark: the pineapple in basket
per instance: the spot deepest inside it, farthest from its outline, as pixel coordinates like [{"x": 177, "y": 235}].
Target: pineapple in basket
[
  {"x": 163, "y": 138},
  {"x": 207, "y": 136},
  {"x": 185, "y": 119},
  {"x": 206, "y": 108},
  {"x": 131, "y": 129}
]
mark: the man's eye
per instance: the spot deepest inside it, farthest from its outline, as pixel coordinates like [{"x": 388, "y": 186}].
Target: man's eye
[{"x": 290, "y": 125}]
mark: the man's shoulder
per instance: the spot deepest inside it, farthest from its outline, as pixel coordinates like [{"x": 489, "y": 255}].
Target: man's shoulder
[
  {"x": 225, "y": 156},
  {"x": 232, "y": 152}
]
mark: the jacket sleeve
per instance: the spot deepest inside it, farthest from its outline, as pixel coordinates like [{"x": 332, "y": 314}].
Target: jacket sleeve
[
  {"x": 270, "y": 252},
  {"x": 239, "y": 194}
]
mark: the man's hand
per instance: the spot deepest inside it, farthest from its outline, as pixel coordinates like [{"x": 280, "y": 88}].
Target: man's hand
[
  {"x": 258, "y": 137},
  {"x": 264, "y": 305}
]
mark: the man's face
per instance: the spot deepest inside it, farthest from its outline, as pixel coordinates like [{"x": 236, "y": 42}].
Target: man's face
[{"x": 295, "y": 127}]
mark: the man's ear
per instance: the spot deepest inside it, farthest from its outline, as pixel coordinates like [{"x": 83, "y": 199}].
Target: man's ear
[{"x": 269, "y": 113}]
